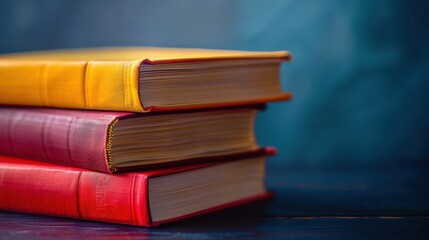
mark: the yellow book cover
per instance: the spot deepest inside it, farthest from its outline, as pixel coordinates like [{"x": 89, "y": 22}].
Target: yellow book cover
[{"x": 141, "y": 79}]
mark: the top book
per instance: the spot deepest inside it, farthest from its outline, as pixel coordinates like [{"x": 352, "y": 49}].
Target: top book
[{"x": 141, "y": 79}]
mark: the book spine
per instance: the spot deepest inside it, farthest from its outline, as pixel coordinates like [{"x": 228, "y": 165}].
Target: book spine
[
  {"x": 100, "y": 85},
  {"x": 61, "y": 139},
  {"x": 72, "y": 193}
]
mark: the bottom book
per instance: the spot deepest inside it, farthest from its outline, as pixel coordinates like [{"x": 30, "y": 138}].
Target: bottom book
[{"x": 146, "y": 198}]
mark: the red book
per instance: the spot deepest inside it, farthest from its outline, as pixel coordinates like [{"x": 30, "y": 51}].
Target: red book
[
  {"x": 146, "y": 198},
  {"x": 118, "y": 141}
]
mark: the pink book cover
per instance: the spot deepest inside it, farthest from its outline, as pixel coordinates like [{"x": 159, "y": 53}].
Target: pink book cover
[{"x": 78, "y": 138}]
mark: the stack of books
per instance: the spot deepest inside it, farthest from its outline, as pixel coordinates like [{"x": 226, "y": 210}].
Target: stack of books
[{"x": 138, "y": 136}]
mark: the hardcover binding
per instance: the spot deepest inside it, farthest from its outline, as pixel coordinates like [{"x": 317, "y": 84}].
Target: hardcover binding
[
  {"x": 48, "y": 189},
  {"x": 67, "y": 137},
  {"x": 74, "y": 137},
  {"x": 107, "y": 80}
]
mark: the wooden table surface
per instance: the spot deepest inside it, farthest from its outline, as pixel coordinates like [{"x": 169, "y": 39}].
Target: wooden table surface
[{"x": 377, "y": 204}]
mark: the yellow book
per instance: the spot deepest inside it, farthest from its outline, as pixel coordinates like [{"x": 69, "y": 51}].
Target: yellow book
[{"x": 141, "y": 79}]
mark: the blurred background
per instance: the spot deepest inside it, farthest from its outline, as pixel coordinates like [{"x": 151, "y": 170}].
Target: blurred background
[{"x": 360, "y": 73}]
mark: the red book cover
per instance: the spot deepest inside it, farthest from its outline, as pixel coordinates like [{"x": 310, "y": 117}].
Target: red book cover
[
  {"x": 86, "y": 139},
  {"x": 48, "y": 189}
]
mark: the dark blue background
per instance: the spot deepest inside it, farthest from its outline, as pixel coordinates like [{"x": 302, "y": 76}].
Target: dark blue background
[{"x": 360, "y": 74}]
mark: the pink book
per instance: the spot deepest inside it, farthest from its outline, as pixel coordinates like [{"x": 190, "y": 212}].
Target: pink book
[{"x": 119, "y": 141}]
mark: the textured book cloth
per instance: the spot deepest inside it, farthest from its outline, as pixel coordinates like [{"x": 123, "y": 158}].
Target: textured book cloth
[
  {"x": 139, "y": 198},
  {"x": 120, "y": 141},
  {"x": 141, "y": 79}
]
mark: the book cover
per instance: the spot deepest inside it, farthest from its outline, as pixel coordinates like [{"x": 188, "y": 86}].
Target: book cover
[
  {"x": 146, "y": 198},
  {"x": 119, "y": 141},
  {"x": 141, "y": 79}
]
